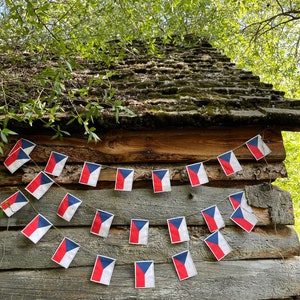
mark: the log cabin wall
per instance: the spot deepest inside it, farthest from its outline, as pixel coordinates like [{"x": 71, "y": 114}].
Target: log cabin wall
[{"x": 263, "y": 263}]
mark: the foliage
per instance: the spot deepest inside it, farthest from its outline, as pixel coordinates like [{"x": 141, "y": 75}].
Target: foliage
[
  {"x": 262, "y": 36},
  {"x": 292, "y": 163}
]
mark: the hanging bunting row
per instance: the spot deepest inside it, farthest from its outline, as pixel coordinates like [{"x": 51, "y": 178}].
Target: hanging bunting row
[
  {"x": 19, "y": 155},
  {"x": 178, "y": 231}
]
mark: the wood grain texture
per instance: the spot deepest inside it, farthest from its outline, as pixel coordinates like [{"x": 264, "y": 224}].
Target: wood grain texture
[
  {"x": 253, "y": 279},
  {"x": 254, "y": 171},
  {"x": 18, "y": 252},
  {"x": 144, "y": 204},
  {"x": 165, "y": 145}
]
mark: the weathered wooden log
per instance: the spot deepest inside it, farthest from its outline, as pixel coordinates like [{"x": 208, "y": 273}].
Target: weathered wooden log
[
  {"x": 144, "y": 204},
  {"x": 251, "y": 172},
  {"x": 249, "y": 279},
  {"x": 165, "y": 145},
  {"x": 18, "y": 252}
]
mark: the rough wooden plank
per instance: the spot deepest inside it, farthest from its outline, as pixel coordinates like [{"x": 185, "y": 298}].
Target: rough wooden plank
[
  {"x": 139, "y": 204},
  {"x": 176, "y": 145},
  {"x": 273, "y": 198},
  {"x": 259, "y": 279},
  {"x": 257, "y": 171},
  {"x": 18, "y": 252}
]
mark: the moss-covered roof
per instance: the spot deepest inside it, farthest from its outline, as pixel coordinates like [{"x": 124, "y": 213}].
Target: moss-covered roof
[{"x": 185, "y": 85}]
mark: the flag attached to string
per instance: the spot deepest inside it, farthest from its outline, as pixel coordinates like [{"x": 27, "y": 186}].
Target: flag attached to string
[
  {"x": 197, "y": 174},
  {"x": 139, "y": 232},
  {"x": 101, "y": 223},
  {"x": 37, "y": 228},
  {"x": 239, "y": 199},
  {"x": 16, "y": 159},
  {"x": 144, "y": 274},
  {"x": 184, "y": 265},
  {"x": 65, "y": 252},
  {"x": 90, "y": 174},
  {"x": 229, "y": 163},
  {"x": 26, "y": 145},
  {"x": 258, "y": 147},
  {"x": 161, "y": 181},
  {"x": 178, "y": 230},
  {"x": 103, "y": 269},
  {"x": 56, "y": 163},
  {"x": 124, "y": 179},
  {"x": 218, "y": 245},
  {"x": 39, "y": 185},
  {"x": 13, "y": 203},
  {"x": 68, "y": 207},
  {"x": 213, "y": 218},
  {"x": 245, "y": 219}
]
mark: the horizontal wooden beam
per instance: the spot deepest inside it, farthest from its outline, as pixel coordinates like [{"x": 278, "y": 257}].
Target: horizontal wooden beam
[
  {"x": 249, "y": 279},
  {"x": 261, "y": 243},
  {"x": 166, "y": 145},
  {"x": 157, "y": 208}
]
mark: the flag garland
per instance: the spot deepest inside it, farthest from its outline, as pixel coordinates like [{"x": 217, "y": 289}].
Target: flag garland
[{"x": 144, "y": 270}]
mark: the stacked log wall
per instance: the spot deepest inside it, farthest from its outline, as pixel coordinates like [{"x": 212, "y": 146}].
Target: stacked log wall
[{"x": 263, "y": 264}]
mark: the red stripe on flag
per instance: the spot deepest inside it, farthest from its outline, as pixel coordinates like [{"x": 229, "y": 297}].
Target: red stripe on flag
[
  {"x": 120, "y": 181},
  {"x": 61, "y": 251},
  {"x": 85, "y": 175},
  {"x": 63, "y": 207},
  {"x": 256, "y": 152},
  {"x": 139, "y": 277},
  {"x": 211, "y": 223},
  {"x": 194, "y": 177},
  {"x": 157, "y": 183},
  {"x": 12, "y": 158},
  {"x": 96, "y": 224},
  {"x": 31, "y": 227},
  {"x": 181, "y": 269},
  {"x": 34, "y": 184},
  {"x": 175, "y": 236},
  {"x": 216, "y": 249},
  {"x": 134, "y": 234},
  {"x": 244, "y": 224},
  {"x": 227, "y": 167},
  {"x": 50, "y": 165},
  {"x": 98, "y": 271}
]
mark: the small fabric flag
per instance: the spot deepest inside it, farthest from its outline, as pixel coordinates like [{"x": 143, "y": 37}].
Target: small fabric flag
[
  {"x": 258, "y": 147},
  {"x": 56, "y": 163},
  {"x": 103, "y": 269},
  {"x": 144, "y": 274},
  {"x": 184, "y": 265},
  {"x": 26, "y": 145},
  {"x": 218, "y": 245},
  {"x": 124, "y": 179},
  {"x": 197, "y": 174},
  {"x": 13, "y": 203},
  {"x": 178, "y": 230},
  {"x": 101, "y": 223},
  {"x": 213, "y": 218},
  {"x": 39, "y": 185},
  {"x": 68, "y": 207},
  {"x": 90, "y": 174},
  {"x": 161, "y": 181},
  {"x": 229, "y": 163},
  {"x": 37, "y": 228},
  {"x": 239, "y": 199},
  {"x": 139, "y": 232},
  {"x": 15, "y": 160},
  {"x": 244, "y": 219},
  {"x": 65, "y": 252}
]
